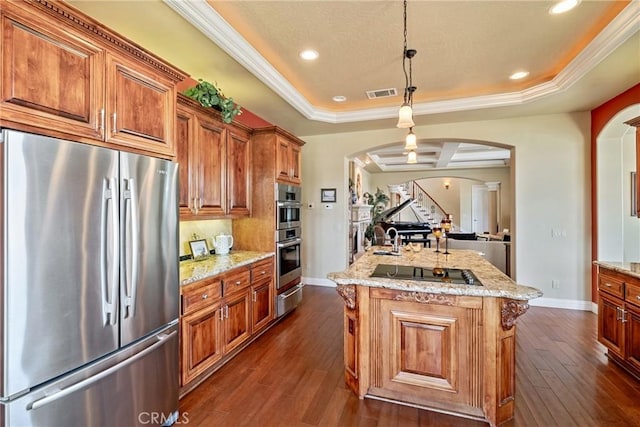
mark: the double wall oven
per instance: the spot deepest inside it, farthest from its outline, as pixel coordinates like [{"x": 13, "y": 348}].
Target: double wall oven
[{"x": 288, "y": 248}]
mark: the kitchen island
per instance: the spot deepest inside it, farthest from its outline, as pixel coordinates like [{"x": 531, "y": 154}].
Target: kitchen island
[{"x": 434, "y": 331}]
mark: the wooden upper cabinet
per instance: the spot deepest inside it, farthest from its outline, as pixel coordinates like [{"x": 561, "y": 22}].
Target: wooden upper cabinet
[
  {"x": 277, "y": 155},
  {"x": 288, "y": 160},
  {"x": 140, "y": 107},
  {"x": 238, "y": 172},
  {"x": 185, "y": 152},
  {"x": 215, "y": 159},
  {"x": 65, "y": 75},
  {"x": 51, "y": 78},
  {"x": 210, "y": 168}
]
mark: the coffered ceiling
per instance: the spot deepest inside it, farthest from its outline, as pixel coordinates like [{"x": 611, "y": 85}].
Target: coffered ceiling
[{"x": 466, "y": 52}]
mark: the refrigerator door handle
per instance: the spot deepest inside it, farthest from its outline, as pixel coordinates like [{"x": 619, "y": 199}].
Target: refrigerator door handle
[
  {"x": 108, "y": 306},
  {"x": 131, "y": 288},
  {"x": 95, "y": 378}
]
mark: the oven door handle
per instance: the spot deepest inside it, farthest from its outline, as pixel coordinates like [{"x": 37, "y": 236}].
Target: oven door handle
[
  {"x": 290, "y": 204},
  {"x": 290, "y": 243}
]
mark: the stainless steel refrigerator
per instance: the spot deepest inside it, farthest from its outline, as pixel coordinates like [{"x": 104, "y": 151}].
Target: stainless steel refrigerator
[{"x": 89, "y": 294}]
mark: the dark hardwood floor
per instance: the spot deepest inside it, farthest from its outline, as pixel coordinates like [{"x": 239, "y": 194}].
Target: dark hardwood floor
[{"x": 293, "y": 376}]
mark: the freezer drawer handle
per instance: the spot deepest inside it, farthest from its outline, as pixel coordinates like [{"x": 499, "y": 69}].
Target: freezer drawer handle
[{"x": 88, "y": 381}]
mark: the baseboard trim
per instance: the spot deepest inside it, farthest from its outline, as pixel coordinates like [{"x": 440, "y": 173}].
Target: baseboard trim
[
  {"x": 315, "y": 281},
  {"x": 568, "y": 304}
]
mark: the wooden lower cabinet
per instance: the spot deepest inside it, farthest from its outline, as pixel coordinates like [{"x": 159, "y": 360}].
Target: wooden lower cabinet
[
  {"x": 454, "y": 354},
  {"x": 236, "y": 324},
  {"x": 610, "y": 327},
  {"x": 262, "y": 305},
  {"x": 619, "y": 317},
  {"x": 200, "y": 341},
  {"x": 220, "y": 315}
]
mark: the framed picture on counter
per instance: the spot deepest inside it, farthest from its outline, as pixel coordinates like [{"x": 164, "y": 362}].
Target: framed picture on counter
[
  {"x": 199, "y": 248},
  {"x": 328, "y": 195}
]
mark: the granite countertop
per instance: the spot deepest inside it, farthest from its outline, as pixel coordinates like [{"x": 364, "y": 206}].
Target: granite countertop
[
  {"x": 194, "y": 270},
  {"x": 494, "y": 282},
  {"x": 630, "y": 268}
]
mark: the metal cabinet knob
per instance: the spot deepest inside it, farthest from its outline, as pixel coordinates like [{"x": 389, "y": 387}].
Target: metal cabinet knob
[{"x": 205, "y": 296}]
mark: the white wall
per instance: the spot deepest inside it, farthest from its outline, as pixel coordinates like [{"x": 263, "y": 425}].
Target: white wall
[
  {"x": 550, "y": 173},
  {"x": 618, "y": 229}
]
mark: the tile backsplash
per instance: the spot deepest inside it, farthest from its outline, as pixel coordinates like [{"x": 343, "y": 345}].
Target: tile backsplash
[{"x": 202, "y": 230}]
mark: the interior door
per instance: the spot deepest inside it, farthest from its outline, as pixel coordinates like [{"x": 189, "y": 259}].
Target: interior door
[
  {"x": 61, "y": 266},
  {"x": 479, "y": 208},
  {"x": 149, "y": 292}
]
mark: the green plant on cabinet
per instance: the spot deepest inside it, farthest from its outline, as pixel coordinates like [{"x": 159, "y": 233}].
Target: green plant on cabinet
[{"x": 209, "y": 95}]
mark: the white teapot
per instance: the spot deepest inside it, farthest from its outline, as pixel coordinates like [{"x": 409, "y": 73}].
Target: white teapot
[{"x": 222, "y": 243}]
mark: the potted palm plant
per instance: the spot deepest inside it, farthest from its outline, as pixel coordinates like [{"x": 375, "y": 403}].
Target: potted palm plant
[{"x": 378, "y": 201}]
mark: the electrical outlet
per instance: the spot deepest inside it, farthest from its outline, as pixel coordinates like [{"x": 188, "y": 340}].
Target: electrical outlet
[{"x": 555, "y": 284}]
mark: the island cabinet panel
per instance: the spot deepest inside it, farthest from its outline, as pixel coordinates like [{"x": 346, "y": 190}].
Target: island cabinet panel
[
  {"x": 425, "y": 353},
  {"x": 619, "y": 316},
  {"x": 443, "y": 346},
  {"x": 66, "y": 75},
  {"x": 51, "y": 77}
]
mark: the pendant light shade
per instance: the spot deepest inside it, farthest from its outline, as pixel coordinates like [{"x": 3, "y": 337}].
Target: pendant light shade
[
  {"x": 405, "y": 117},
  {"x": 410, "y": 141},
  {"x": 412, "y": 157}
]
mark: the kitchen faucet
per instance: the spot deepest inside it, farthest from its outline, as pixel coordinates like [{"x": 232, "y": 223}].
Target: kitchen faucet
[{"x": 394, "y": 239}]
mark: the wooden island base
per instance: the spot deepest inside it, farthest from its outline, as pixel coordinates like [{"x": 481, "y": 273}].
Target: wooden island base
[{"x": 448, "y": 353}]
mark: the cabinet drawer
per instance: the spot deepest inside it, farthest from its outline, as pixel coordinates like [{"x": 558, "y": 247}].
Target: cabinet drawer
[
  {"x": 611, "y": 283},
  {"x": 236, "y": 280},
  {"x": 261, "y": 269},
  {"x": 632, "y": 292},
  {"x": 201, "y": 296}
]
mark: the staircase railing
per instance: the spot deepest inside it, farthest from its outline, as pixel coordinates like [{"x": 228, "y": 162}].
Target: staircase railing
[{"x": 424, "y": 200}]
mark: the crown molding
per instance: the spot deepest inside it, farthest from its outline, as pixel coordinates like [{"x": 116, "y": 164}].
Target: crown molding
[{"x": 202, "y": 16}]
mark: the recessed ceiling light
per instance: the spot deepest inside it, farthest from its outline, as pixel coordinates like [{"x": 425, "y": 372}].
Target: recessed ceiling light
[
  {"x": 519, "y": 75},
  {"x": 563, "y": 6},
  {"x": 309, "y": 55},
  {"x": 339, "y": 98}
]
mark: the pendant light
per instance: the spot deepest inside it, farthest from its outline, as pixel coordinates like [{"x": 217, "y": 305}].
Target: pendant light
[
  {"x": 412, "y": 157},
  {"x": 405, "y": 115},
  {"x": 410, "y": 141}
]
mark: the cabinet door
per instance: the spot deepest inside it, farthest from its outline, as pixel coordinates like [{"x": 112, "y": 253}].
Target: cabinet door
[
  {"x": 51, "y": 78},
  {"x": 610, "y": 327},
  {"x": 295, "y": 164},
  {"x": 201, "y": 344},
  {"x": 185, "y": 156},
  {"x": 632, "y": 339},
  {"x": 261, "y": 304},
  {"x": 424, "y": 350},
  {"x": 282, "y": 159},
  {"x": 211, "y": 168},
  {"x": 238, "y": 173},
  {"x": 140, "y": 107},
  {"x": 236, "y": 320}
]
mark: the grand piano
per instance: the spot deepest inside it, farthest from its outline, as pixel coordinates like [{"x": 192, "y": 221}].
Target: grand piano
[{"x": 409, "y": 231}]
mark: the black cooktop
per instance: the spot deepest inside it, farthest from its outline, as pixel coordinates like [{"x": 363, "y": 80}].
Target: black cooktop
[{"x": 429, "y": 274}]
